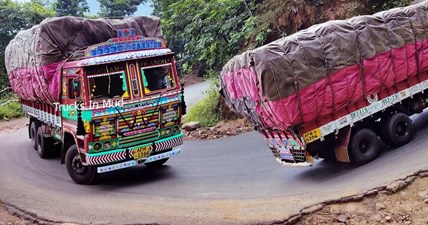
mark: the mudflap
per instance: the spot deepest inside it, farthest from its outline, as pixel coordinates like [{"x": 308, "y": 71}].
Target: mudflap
[{"x": 341, "y": 145}]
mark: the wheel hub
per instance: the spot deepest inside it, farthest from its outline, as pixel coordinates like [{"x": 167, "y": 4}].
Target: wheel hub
[
  {"x": 77, "y": 166},
  {"x": 364, "y": 145},
  {"x": 401, "y": 129}
]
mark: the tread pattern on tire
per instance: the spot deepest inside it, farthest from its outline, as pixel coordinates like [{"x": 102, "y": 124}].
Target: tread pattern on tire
[
  {"x": 45, "y": 145},
  {"x": 86, "y": 179},
  {"x": 359, "y": 157},
  {"x": 388, "y": 130}
]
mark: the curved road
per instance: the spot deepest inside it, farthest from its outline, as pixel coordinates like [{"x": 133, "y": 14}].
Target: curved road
[{"x": 229, "y": 181}]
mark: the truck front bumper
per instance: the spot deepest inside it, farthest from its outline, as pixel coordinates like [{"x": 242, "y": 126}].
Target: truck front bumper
[
  {"x": 295, "y": 164},
  {"x": 127, "y": 154},
  {"x": 132, "y": 163}
]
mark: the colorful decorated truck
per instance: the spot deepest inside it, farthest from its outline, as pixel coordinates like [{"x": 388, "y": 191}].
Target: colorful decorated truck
[
  {"x": 105, "y": 93},
  {"x": 331, "y": 90}
]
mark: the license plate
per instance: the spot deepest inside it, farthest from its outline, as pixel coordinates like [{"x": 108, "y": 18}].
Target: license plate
[
  {"x": 312, "y": 136},
  {"x": 141, "y": 153}
]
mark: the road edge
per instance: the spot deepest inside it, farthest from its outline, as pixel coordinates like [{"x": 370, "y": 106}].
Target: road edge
[{"x": 394, "y": 187}]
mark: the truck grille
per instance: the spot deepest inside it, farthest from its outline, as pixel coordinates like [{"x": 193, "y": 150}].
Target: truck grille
[
  {"x": 138, "y": 127},
  {"x": 138, "y": 139}
]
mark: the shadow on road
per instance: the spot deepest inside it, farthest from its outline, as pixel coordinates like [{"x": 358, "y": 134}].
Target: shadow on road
[
  {"x": 134, "y": 176},
  {"x": 420, "y": 122},
  {"x": 325, "y": 170}
]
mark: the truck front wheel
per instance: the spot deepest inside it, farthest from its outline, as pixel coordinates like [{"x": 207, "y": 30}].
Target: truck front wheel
[
  {"x": 364, "y": 146},
  {"x": 397, "y": 130},
  {"x": 80, "y": 173}
]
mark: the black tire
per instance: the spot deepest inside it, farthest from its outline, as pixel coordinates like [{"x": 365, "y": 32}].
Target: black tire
[
  {"x": 33, "y": 133},
  {"x": 364, "y": 146},
  {"x": 45, "y": 146},
  {"x": 397, "y": 130},
  {"x": 156, "y": 164},
  {"x": 79, "y": 173}
]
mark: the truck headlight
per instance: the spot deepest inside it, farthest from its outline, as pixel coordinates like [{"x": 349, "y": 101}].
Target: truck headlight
[{"x": 107, "y": 145}]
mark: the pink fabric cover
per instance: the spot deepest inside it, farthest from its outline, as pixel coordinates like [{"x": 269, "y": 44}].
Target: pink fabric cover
[
  {"x": 347, "y": 86},
  {"x": 35, "y": 56},
  {"x": 39, "y": 83}
]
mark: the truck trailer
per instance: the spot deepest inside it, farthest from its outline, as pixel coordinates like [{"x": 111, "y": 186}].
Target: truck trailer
[
  {"x": 332, "y": 90},
  {"x": 102, "y": 93}
]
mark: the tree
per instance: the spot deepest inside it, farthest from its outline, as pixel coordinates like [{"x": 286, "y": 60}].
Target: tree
[
  {"x": 206, "y": 32},
  {"x": 15, "y": 17},
  {"x": 71, "y": 7},
  {"x": 119, "y": 8}
]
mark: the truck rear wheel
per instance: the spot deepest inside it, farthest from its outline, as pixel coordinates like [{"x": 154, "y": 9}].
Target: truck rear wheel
[
  {"x": 364, "y": 146},
  {"x": 45, "y": 146},
  {"x": 33, "y": 134},
  {"x": 78, "y": 172},
  {"x": 397, "y": 130}
]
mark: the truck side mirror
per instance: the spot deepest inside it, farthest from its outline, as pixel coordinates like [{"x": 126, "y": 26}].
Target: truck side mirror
[
  {"x": 76, "y": 88},
  {"x": 179, "y": 70}
]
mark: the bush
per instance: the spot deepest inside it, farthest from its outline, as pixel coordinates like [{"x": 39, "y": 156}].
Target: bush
[
  {"x": 11, "y": 110},
  {"x": 206, "y": 111}
]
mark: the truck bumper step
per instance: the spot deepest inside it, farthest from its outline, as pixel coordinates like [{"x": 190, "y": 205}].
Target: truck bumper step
[{"x": 132, "y": 163}]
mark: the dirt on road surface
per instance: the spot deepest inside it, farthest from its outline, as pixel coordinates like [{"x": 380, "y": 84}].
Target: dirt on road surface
[
  {"x": 221, "y": 130},
  {"x": 408, "y": 206},
  {"x": 7, "y": 219},
  {"x": 12, "y": 125}
]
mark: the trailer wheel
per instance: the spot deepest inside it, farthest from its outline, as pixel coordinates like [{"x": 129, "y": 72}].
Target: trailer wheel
[
  {"x": 78, "y": 172},
  {"x": 397, "y": 130},
  {"x": 45, "y": 146},
  {"x": 156, "y": 164},
  {"x": 33, "y": 134},
  {"x": 364, "y": 146}
]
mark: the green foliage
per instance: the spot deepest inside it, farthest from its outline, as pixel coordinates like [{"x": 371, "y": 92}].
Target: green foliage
[
  {"x": 207, "y": 32},
  {"x": 389, "y": 4},
  {"x": 71, "y": 7},
  {"x": 11, "y": 110},
  {"x": 10, "y": 107},
  {"x": 206, "y": 111},
  {"x": 119, "y": 8},
  {"x": 15, "y": 17}
]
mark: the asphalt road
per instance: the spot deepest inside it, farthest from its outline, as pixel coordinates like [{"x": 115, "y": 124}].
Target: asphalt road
[
  {"x": 195, "y": 93},
  {"x": 229, "y": 181}
]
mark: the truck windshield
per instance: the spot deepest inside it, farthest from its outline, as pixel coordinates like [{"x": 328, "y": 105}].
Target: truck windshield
[
  {"x": 158, "y": 78},
  {"x": 105, "y": 86},
  {"x": 107, "y": 81}
]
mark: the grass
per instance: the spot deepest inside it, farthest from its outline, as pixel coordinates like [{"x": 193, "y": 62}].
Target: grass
[
  {"x": 10, "y": 110},
  {"x": 205, "y": 111}
]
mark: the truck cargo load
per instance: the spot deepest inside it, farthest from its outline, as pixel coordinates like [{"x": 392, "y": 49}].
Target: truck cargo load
[
  {"x": 319, "y": 71},
  {"x": 34, "y": 57}
]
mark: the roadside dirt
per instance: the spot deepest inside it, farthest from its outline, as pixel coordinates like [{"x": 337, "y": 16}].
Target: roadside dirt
[
  {"x": 7, "y": 219},
  {"x": 222, "y": 129},
  {"x": 12, "y": 125},
  {"x": 190, "y": 79},
  {"x": 406, "y": 206}
]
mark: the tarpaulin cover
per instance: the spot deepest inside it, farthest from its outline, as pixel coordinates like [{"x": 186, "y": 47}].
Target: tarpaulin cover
[
  {"x": 320, "y": 70},
  {"x": 35, "y": 56}
]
